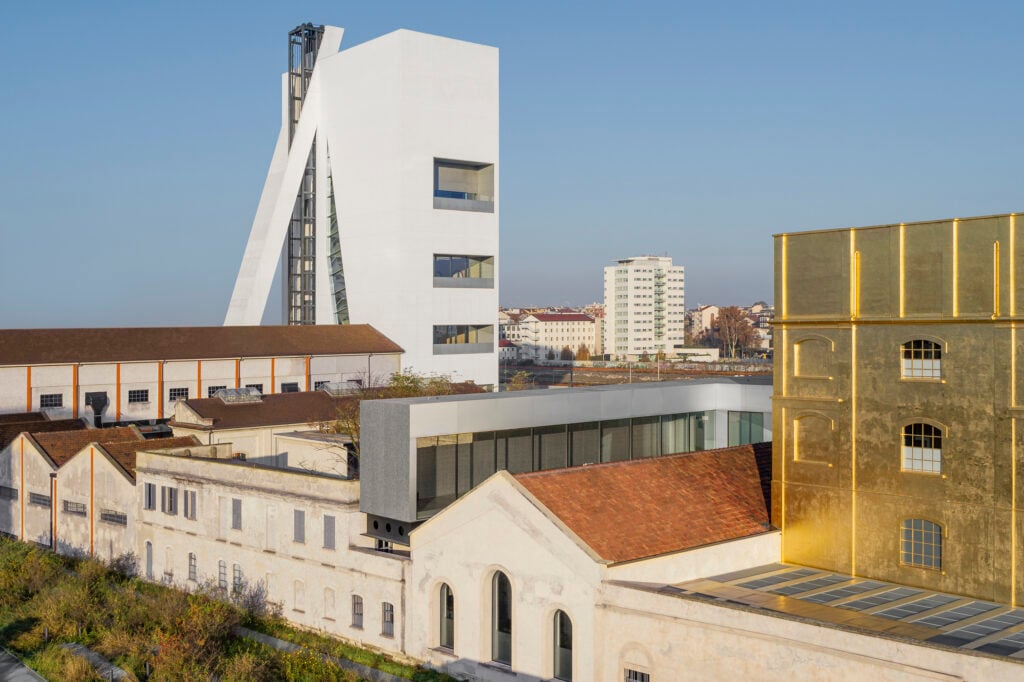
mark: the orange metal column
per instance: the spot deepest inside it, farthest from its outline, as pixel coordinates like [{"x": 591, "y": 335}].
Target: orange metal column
[
  {"x": 28, "y": 388},
  {"x": 271, "y": 375},
  {"x": 74, "y": 391},
  {"x": 238, "y": 371},
  {"x": 117, "y": 394},
  {"x": 160, "y": 390},
  {"x": 307, "y": 372},
  {"x": 199, "y": 378}
]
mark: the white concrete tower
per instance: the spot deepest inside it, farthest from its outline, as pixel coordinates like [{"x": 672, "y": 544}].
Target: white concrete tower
[
  {"x": 381, "y": 200},
  {"x": 644, "y": 307}
]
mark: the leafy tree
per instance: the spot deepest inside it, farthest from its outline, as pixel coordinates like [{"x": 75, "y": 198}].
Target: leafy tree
[
  {"x": 520, "y": 381},
  {"x": 401, "y": 385},
  {"x": 551, "y": 354},
  {"x": 566, "y": 353},
  {"x": 645, "y": 357},
  {"x": 733, "y": 330},
  {"x": 583, "y": 353}
]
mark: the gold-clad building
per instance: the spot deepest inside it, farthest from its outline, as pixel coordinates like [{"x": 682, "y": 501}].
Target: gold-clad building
[{"x": 899, "y": 403}]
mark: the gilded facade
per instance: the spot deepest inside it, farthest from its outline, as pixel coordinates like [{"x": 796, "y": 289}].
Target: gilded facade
[{"x": 898, "y": 420}]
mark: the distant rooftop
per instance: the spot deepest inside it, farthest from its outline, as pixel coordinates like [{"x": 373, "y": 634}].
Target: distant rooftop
[
  {"x": 61, "y": 446},
  {"x": 10, "y": 430}
]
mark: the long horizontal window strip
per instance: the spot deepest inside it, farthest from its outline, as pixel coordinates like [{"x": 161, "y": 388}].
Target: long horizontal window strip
[
  {"x": 448, "y": 334},
  {"x": 985, "y": 628},
  {"x": 915, "y": 607},
  {"x": 449, "y": 466},
  {"x": 944, "y": 618},
  {"x": 39, "y": 500},
  {"x": 880, "y": 599},
  {"x": 843, "y": 592},
  {"x": 115, "y": 517},
  {"x": 815, "y": 584},
  {"x": 76, "y": 508},
  {"x": 463, "y": 267},
  {"x": 768, "y": 581}
]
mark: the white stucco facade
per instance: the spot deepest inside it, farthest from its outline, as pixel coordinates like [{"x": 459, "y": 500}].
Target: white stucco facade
[{"x": 389, "y": 123}]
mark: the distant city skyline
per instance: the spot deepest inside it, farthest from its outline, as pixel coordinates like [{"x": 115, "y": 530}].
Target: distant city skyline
[{"x": 690, "y": 130}]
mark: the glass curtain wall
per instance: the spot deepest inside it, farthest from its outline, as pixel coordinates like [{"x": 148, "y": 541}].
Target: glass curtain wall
[
  {"x": 450, "y": 466},
  {"x": 746, "y": 428}
]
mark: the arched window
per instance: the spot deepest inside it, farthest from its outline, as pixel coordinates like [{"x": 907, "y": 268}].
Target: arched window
[
  {"x": 149, "y": 559},
  {"x": 563, "y": 646},
  {"x": 501, "y": 619},
  {"x": 922, "y": 448},
  {"x": 921, "y": 543},
  {"x": 447, "y": 605},
  {"x": 922, "y": 359},
  {"x": 328, "y": 603}
]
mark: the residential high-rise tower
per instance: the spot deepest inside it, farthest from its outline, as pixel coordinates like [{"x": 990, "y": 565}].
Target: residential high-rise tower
[{"x": 644, "y": 307}]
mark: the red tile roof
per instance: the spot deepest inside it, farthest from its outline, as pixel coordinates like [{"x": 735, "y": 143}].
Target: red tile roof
[
  {"x": 644, "y": 508},
  {"x": 10, "y": 430},
  {"x": 135, "y": 344},
  {"x": 124, "y": 452},
  {"x": 563, "y": 317},
  {"x": 308, "y": 407},
  {"x": 22, "y": 417},
  {"x": 61, "y": 446}
]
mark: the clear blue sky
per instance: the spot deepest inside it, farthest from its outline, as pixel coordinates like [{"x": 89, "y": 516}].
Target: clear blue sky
[{"x": 136, "y": 135}]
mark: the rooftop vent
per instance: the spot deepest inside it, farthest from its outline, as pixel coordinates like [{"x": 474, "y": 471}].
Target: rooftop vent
[
  {"x": 233, "y": 396},
  {"x": 338, "y": 388}
]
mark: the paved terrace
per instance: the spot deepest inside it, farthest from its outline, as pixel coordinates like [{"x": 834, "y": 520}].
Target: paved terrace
[{"x": 871, "y": 606}]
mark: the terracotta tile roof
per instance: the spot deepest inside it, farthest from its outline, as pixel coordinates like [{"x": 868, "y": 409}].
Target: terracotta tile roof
[
  {"x": 61, "y": 446},
  {"x": 306, "y": 407},
  {"x": 648, "y": 507},
  {"x": 130, "y": 344},
  {"x": 22, "y": 417},
  {"x": 563, "y": 317},
  {"x": 10, "y": 431},
  {"x": 124, "y": 452}
]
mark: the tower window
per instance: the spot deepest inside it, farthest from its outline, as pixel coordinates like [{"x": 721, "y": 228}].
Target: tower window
[
  {"x": 463, "y": 185},
  {"x": 922, "y": 448},
  {"x": 922, "y": 359},
  {"x": 921, "y": 543}
]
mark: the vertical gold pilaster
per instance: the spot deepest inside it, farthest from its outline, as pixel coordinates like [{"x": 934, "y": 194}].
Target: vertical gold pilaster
[
  {"x": 956, "y": 268},
  {"x": 903, "y": 230},
  {"x": 1013, "y": 512},
  {"x": 1013, "y": 267},
  {"x": 853, "y": 449},
  {"x": 995, "y": 279},
  {"x": 785, "y": 276}
]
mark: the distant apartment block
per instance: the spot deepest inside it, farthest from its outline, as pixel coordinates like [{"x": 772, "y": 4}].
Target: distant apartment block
[
  {"x": 557, "y": 336},
  {"x": 381, "y": 201},
  {"x": 644, "y": 305},
  {"x": 117, "y": 375}
]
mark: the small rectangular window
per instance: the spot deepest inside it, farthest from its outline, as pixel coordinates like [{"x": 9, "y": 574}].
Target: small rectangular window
[
  {"x": 190, "y": 504},
  {"x": 212, "y": 390},
  {"x": 115, "y": 517},
  {"x": 150, "y": 492},
  {"x": 192, "y": 567},
  {"x": 636, "y": 676},
  {"x": 387, "y": 619},
  {"x": 258, "y": 387},
  {"x": 222, "y": 574},
  {"x": 236, "y": 578},
  {"x": 8, "y": 493},
  {"x": 39, "y": 500},
  {"x": 51, "y": 400},
  {"x": 357, "y": 612},
  {"x": 328, "y": 532},
  {"x": 136, "y": 396},
  {"x": 317, "y": 385},
  {"x": 236, "y": 514},
  {"x": 76, "y": 508},
  {"x": 169, "y": 500},
  {"x": 290, "y": 387},
  {"x": 177, "y": 394},
  {"x": 299, "y": 534}
]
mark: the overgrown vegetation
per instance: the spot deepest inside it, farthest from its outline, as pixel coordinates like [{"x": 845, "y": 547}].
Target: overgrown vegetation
[{"x": 46, "y": 600}]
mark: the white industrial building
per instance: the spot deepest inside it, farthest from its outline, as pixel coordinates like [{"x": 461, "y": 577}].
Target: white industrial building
[
  {"x": 644, "y": 308},
  {"x": 125, "y": 374},
  {"x": 381, "y": 202}
]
